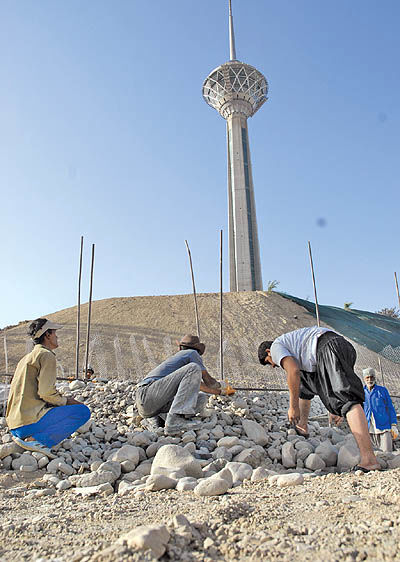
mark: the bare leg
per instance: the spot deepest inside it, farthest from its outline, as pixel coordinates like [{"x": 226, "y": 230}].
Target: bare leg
[
  {"x": 305, "y": 406},
  {"x": 359, "y": 428}
]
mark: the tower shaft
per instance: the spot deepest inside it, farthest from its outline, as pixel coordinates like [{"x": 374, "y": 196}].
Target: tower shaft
[{"x": 244, "y": 252}]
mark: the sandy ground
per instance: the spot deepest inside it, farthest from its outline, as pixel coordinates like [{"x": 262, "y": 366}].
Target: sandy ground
[{"x": 328, "y": 518}]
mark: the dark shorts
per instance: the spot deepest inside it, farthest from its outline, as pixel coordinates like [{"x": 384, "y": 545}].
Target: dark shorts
[{"x": 335, "y": 381}]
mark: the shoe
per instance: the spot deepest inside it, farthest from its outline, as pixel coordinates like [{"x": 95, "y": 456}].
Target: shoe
[
  {"x": 34, "y": 446},
  {"x": 152, "y": 424},
  {"x": 176, "y": 424}
]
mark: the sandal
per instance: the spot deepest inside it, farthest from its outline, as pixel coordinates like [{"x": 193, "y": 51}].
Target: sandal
[
  {"x": 34, "y": 446},
  {"x": 364, "y": 470}
]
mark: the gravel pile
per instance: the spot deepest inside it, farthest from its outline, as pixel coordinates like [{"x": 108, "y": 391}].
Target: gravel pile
[{"x": 241, "y": 438}]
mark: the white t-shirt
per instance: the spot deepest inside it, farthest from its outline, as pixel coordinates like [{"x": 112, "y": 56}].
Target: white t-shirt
[{"x": 300, "y": 344}]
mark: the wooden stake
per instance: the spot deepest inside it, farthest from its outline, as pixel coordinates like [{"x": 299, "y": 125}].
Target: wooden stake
[
  {"x": 397, "y": 288},
  {"x": 221, "y": 341},
  {"x": 89, "y": 313},
  {"x": 78, "y": 313},
  {"x": 314, "y": 285},
  {"x": 196, "y": 312}
]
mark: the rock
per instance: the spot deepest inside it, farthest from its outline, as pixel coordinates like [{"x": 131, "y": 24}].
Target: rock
[
  {"x": 125, "y": 487},
  {"x": 185, "y": 484},
  {"x": 349, "y": 455},
  {"x": 274, "y": 453},
  {"x": 94, "y": 479},
  {"x": 293, "y": 479},
  {"x": 147, "y": 537},
  {"x": 76, "y": 385},
  {"x": 228, "y": 442},
  {"x": 64, "y": 485},
  {"x": 260, "y": 474},
  {"x": 314, "y": 462},
  {"x": 288, "y": 455},
  {"x": 225, "y": 474},
  {"x": 105, "y": 489},
  {"x": 175, "y": 457},
  {"x": 394, "y": 462},
  {"x": 211, "y": 487},
  {"x": 126, "y": 453},
  {"x": 110, "y": 466},
  {"x": 240, "y": 471},
  {"x": 9, "y": 449},
  {"x": 157, "y": 482},
  {"x": 327, "y": 452},
  {"x": 85, "y": 427},
  {"x": 66, "y": 469},
  {"x": 166, "y": 471},
  {"x": 255, "y": 432},
  {"x": 248, "y": 456},
  {"x": 25, "y": 463}
]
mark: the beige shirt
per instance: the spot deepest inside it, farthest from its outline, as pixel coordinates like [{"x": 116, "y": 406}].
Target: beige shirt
[{"x": 33, "y": 388}]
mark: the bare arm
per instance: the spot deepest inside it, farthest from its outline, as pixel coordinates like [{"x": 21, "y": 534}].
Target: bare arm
[
  {"x": 209, "y": 381},
  {"x": 293, "y": 379}
]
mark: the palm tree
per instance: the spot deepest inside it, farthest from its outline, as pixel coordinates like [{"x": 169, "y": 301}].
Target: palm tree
[
  {"x": 347, "y": 305},
  {"x": 272, "y": 285}
]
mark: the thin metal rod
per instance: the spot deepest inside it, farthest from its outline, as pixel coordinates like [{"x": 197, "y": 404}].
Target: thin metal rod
[
  {"x": 314, "y": 285},
  {"x": 6, "y": 353},
  {"x": 196, "y": 312},
  {"x": 221, "y": 340},
  {"x": 78, "y": 313},
  {"x": 397, "y": 288},
  {"x": 381, "y": 370},
  {"x": 232, "y": 47},
  {"x": 89, "y": 313},
  {"x": 261, "y": 389}
]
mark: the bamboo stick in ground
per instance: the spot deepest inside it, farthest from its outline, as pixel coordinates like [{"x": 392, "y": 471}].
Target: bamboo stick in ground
[
  {"x": 196, "y": 312},
  {"x": 221, "y": 341},
  {"x": 397, "y": 288},
  {"x": 78, "y": 313},
  {"x": 89, "y": 313},
  {"x": 314, "y": 285}
]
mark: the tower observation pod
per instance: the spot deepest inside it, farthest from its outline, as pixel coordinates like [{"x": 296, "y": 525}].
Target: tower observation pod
[{"x": 237, "y": 90}]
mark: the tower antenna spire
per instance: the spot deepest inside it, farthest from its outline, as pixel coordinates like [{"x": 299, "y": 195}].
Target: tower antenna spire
[{"x": 232, "y": 47}]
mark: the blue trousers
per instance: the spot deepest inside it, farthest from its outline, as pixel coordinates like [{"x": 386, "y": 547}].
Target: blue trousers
[{"x": 56, "y": 425}]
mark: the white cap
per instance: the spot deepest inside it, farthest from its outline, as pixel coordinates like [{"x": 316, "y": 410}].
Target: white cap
[
  {"x": 47, "y": 326},
  {"x": 370, "y": 372}
]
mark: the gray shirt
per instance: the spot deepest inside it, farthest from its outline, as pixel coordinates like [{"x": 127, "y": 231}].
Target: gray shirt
[
  {"x": 172, "y": 364},
  {"x": 300, "y": 344}
]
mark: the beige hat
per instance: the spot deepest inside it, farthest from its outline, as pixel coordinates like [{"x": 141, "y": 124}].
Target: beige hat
[
  {"x": 370, "y": 372},
  {"x": 193, "y": 342},
  {"x": 47, "y": 326}
]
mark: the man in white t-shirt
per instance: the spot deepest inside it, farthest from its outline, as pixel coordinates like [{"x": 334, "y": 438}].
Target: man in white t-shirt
[{"x": 320, "y": 362}]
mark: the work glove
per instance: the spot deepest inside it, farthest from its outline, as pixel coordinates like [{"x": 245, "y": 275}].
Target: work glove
[
  {"x": 394, "y": 431},
  {"x": 226, "y": 389}
]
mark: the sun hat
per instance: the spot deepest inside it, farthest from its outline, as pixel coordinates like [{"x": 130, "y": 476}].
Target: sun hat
[
  {"x": 47, "y": 326},
  {"x": 193, "y": 342}
]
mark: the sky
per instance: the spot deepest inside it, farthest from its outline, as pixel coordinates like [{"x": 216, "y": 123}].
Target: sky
[{"x": 104, "y": 133}]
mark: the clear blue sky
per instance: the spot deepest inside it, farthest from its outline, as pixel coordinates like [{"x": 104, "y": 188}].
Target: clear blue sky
[{"x": 104, "y": 132}]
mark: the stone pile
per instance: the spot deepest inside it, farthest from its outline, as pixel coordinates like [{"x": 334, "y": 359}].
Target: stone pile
[{"x": 241, "y": 438}]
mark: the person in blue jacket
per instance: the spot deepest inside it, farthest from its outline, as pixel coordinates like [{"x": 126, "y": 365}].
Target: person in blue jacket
[{"x": 380, "y": 413}]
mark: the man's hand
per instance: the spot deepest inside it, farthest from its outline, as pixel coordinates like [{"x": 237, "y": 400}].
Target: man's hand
[
  {"x": 294, "y": 415},
  {"x": 395, "y": 432},
  {"x": 337, "y": 420},
  {"x": 71, "y": 401},
  {"x": 227, "y": 389}
]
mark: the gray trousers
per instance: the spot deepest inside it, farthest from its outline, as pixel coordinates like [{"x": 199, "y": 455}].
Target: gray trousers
[
  {"x": 382, "y": 441},
  {"x": 177, "y": 393}
]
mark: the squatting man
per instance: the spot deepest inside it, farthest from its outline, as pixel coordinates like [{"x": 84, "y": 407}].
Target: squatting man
[
  {"x": 38, "y": 416},
  {"x": 320, "y": 362},
  {"x": 173, "y": 388}
]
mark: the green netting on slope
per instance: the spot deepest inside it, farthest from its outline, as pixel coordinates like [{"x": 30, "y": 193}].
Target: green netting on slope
[{"x": 377, "y": 332}]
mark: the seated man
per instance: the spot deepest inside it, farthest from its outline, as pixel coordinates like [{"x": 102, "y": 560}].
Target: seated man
[
  {"x": 320, "y": 362},
  {"x": 380, "y": 413},
  {"x": 173, "y": 388},
  {"x": 38, "y": 416}
]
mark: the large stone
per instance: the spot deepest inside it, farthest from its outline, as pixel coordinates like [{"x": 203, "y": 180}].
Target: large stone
[
  {"x": 175, "y": 457},
  {"x": 349, "y": 455},
  {"x": 261, "y": 474},
  {"x": 105, "y": 489},
  {"x": 25, "y": 463},
  {"x": 228, "y": 442},
  {"x": 126, "y": 453},
  {"x": 240, "y": 471},
  {"x": 225, "y": 474},
  {"x": 394, "y": 462},
  {"x": 96, "y": 478},
  {"x": 249, "y": 456},
  {"x": 255, "y": 432},
  {"x": 314, "y": 462},
  {"x": 185, "y": 484},
  {"x": 293, "y": 479},
  {"x": 327, "y": 452},
  {"x": 212, "y": 487},
  {"x": 147, "y": 537},
  {"x": 157, "y": 482},
  {"x": 110, "y": 466},
  {"x": 53, "y": 465},
  {"x": 76, "y": 385},
  {"x": 288, "y": 455},
  {"x": 9, "y": 449}
]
